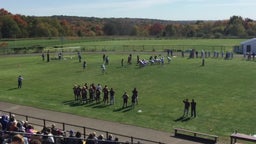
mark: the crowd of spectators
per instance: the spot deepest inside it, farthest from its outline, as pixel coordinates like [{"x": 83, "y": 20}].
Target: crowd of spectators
[{"x": 13, "y": 131}]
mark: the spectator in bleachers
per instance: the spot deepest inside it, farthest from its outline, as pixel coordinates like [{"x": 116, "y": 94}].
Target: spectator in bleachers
[
  {"x": 94, "y": 136},
  {"x": 89, "y": 139},
  {"x": 110, "y": 139},
  {"x": 78, "y": 139},
  {"x": 70, "y": 139},
  {"x": 48, "y": 137},
  {"x": 30, "y": 129},
  {"x": 20, "y": 127},
  {"x": 12, "y": 124},
  {"x": 54, "y": 130},
  {"x": 116, "y": 141},
  {"x": 36, "y": 138},
  {"x": 1, "y": 134},
  {"x": 17, "y": 139},
  {"x": 101, "y": 139},
  {"x": 35, "y": 141},
  {"x": 4, "y": 122}
]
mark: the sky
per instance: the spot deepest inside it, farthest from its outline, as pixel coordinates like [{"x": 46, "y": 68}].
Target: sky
[{"x": 150, "y": 9}]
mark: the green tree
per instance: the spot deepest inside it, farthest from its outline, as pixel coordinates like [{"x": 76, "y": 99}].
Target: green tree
[
  {"x": 110, "y": 29},
  {"x": 170, "y": 30},
  {"x": 9, "y": 28},
  {"x": 235, "y": 27}
]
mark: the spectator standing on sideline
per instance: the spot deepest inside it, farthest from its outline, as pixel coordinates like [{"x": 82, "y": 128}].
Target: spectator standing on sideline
[
  {"x": 112, "y": 96},
  {"x": 125, "y": 99},
  {"x": 20, "y": 79},
  {"x": 104, "y": 58},
  {"x": 43, "y": 56},
  {"x": 79, "y": 56},
  {"x": 48, "y": 56},
  {"x": 84, "y": 64},
  {"x": 133, "y": 100},
  {"x": 122, "y": 62},
  {"x": 135, "y": 95},
  {"x": 103, "y": 67},
  {"x": 193, "y": 108},
  {"x": 186, "y": 107},
  {"x": 107, "y": 60},
  {"x": 203, "y": 58}
]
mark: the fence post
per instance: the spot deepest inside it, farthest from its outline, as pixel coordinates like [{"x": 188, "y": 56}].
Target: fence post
[
  {"x": 107, "y": 134},
  {"x": 132, "y": 140},
  {"x": 84, "y": 133},
  {"x": 63, "y": 126},
  {"x": 44, "y": 123}
]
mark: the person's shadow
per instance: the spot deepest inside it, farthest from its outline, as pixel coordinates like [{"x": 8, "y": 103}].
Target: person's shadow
[
  {"x": 10, "y": 89},
  {"x": 182, "y": 119}
]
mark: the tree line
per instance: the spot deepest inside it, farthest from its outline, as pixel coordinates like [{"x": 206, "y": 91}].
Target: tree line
[{"x": 20, "y": 26}]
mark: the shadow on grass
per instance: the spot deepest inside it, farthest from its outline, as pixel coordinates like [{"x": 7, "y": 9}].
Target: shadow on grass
[
  {"x": 101, "y": 105},
  {"x": 91, "y": 104},
  {"x": 68, "y": 102},
  {"x": 10, "y": 89},
  {"x": 123, "y": 109},
  {"x": 182, "y": 119},
  {"x": 72, "y": 103}
]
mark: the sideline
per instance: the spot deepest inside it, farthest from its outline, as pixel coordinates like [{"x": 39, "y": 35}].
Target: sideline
[{"x": 123, "y": 129}]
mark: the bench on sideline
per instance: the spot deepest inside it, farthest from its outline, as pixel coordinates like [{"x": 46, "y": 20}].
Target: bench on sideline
[
  {"x": 197, "y": 136},
  {"x": 235, "y": 136}
]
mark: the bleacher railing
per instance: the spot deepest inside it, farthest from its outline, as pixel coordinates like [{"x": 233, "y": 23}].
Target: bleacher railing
[{"x": 85, "y": 131}]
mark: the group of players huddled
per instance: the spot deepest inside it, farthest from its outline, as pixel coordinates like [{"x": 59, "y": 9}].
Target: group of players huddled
[
  {"x": 88, "y": 94},
  {"x": 93, "y": 93}
]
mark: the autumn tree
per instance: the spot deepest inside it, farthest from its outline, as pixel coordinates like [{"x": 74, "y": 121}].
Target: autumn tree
[
  {"x": 156, "y": 29},
  {"x": 65, "y": 28},
  {"x": 22, "y": 24}
]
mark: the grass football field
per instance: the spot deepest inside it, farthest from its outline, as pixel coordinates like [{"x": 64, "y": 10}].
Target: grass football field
[{"x": 223, "y": 89}]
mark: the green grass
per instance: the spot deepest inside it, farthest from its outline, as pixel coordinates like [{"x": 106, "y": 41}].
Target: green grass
[
  {"x": 223, "y": 89},
  {"x": 125, "y": 44}
]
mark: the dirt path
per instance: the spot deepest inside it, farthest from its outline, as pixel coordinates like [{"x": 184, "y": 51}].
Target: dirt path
[{"x": 113, "y": 127}]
